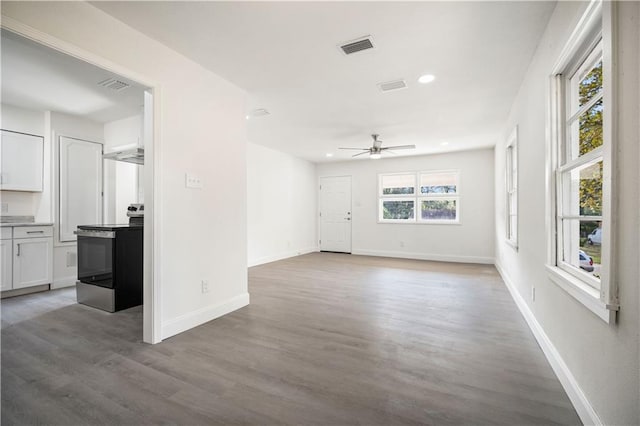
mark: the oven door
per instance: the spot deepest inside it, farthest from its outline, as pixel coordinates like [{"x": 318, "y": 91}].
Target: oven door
[{"x": 95, "y": 257}]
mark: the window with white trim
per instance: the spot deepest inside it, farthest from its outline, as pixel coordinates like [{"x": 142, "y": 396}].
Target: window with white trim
[
  {"x": 423, "y": 197},
  {"x": 581, "y": 166},
  {"x": 511, "y": 183}
]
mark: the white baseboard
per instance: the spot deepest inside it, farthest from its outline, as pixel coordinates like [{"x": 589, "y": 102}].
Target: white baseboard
[
  {"x": 425, "y": 256},
  {"x": 64, "y": 282},
  {"x": 193, "y": 319},
  {"x": 280, "y": 256},
  {"x": 579, "y": 400}
]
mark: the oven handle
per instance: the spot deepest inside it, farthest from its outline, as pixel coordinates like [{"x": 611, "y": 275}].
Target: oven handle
[{"x": 95, "y": 234}]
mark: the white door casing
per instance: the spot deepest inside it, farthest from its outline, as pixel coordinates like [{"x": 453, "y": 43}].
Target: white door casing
[
  {"x": 335, "y": 214},
  {"x": 80, "y": 185}
]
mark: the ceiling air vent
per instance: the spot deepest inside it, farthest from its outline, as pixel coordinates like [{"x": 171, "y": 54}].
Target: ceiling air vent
[
  {"x": 392, "y": 85},
  {"x": 354, "y": 46},
  {"x": 114, "y": 84}
]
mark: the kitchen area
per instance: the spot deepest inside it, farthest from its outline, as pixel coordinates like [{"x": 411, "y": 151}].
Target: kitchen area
[{"x": 71, "y": 179}]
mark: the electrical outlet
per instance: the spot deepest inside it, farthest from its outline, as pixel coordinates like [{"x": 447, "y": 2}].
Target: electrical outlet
[
  {"x": 401, "y": 243},
  {"x": 205, "y": 286},
  {"x": 5, "y": 207},
  {"x": 533, "y": 294},
  {"x": 193, "y": 181}
]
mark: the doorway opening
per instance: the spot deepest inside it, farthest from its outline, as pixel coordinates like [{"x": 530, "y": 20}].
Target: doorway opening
[{"x": 81, "y": 108}]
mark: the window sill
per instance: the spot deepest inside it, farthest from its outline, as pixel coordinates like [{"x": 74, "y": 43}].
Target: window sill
[
  {"x": 585, "y": 294},
  {"x": 421, "y": 222}
]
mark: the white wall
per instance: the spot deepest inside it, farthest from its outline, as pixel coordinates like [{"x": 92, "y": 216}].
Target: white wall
[
  {"x": 603, "y": 359},
  {"x": 121, "y": 179},
  {"x": 201, "y": 233},
  {"x": 281, "y": 203},
  {"x": 470, "y": 241},
  {"x": 21, "y": 203},
  {"x": 65, "y": 270}
]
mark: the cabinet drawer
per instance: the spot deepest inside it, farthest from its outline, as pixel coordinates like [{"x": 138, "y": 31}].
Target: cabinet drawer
[
  {"x": 32, "y": 231},
  {"x": 5, "y": 233}
]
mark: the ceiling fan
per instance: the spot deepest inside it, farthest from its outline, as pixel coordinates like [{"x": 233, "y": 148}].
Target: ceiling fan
[{"x": 376, "y": 150}]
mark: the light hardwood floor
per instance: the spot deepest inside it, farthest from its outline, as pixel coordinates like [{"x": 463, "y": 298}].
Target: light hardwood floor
[{"x": 328, "y": 339}]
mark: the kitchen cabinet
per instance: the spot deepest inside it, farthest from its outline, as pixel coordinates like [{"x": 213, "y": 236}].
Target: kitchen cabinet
[
  {"x": 27, "y": 258},
  {"x": 21, "y": 161},
  {"x": 6, "y": 260}
]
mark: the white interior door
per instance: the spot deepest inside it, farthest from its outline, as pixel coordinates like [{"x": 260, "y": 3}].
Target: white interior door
[
  {"x": 80, "y": 185},
  {"x": 335, "y": 214}
]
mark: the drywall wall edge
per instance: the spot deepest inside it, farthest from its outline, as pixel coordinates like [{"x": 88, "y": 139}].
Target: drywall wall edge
[{"x": 579, "y": 400}]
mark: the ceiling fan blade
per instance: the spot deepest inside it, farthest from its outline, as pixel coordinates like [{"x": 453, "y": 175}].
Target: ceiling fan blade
[
  {"x": 357, "y": 149},
  {"x": 400, "y": 147},
  {"x": 361, "y": 153}
]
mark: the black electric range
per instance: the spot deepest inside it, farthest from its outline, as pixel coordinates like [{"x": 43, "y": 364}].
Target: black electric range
[{"x": 110, "y": 264}]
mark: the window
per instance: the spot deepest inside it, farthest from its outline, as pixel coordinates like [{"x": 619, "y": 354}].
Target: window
[
  {"x": 511, "y": 180},
  {"x": 426, "y": 197},
  {"x": 581, "y": 165}
]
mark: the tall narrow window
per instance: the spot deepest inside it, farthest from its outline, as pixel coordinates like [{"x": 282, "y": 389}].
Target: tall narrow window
[
  {"x": 582, "y": 139},
  {"x": 580, "y": 172},
  {"x": 511, "y": 180}
]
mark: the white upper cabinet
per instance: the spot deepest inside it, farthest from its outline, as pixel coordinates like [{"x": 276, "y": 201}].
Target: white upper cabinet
[{"x": 21, "y": 161}]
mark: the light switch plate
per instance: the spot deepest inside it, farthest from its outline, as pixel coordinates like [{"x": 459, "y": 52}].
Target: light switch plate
[
  {"x": 5, "y": 207},
  {"x": 193, "y": 181}
]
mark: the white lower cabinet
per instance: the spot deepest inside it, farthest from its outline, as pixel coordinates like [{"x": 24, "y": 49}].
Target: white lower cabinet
[
  {"x": 6, "y": 257},
  {"x": 27, "y": 258},
  {"x": 32, "y": 262}
]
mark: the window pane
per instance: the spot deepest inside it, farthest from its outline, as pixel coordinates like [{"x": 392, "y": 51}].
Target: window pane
[
  {"x": 591, "y": 84},
  {"x": 397, "y": 210},
  {"x": 439, "y": 183},
  {"x": 582, "y": 242},
  {"x": 586, "y": 131},
  {"x": 583, "y": 190},
  {"x": 398, "y": 184},
  {"x": 438, "y": 210}
]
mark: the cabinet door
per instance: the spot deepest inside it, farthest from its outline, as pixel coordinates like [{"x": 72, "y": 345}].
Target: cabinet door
[
  {"x": 80, "y": 185},
  {"x": 21, "y": 161},
  {"x": 6, "y": 274},
  {"x": 32, "y": 262}
]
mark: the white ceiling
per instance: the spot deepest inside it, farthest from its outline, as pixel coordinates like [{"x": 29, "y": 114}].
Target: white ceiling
[
  {"x": 286, "y": 56},
  {"x": 38, "y": 78}
]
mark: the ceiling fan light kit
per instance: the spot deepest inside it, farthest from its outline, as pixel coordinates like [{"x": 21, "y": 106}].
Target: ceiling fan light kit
[{"x": 375, "y": 152}]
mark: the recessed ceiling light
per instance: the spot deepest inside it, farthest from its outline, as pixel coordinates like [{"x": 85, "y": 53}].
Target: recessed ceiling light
[
  {"x": 427, "y": 78},
  {"x": 444, "y": 143},
  {"x": 328, "y": 154},
  {"x": 247, "y": 117}
]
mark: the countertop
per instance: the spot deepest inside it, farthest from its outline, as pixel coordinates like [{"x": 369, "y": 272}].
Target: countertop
[
  {"x": 7, "y": 224},
  {"x": 113, "y": 227},
  {"x": 8, "y": 220}
]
